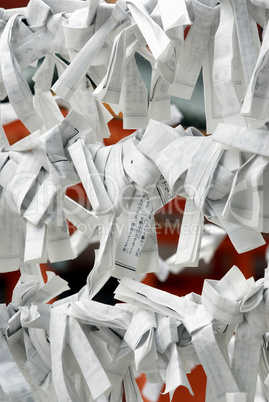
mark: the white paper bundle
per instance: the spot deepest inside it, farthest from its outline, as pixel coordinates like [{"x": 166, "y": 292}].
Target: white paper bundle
[{"x": 80, "y": 350}]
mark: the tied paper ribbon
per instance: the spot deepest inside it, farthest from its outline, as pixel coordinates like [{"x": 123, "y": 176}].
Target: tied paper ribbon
[
  {"x": 65, "y": 154},
  {"x": 92, "y": 46},
  {"x": 175, "y": 332},
  {"x": 205, "y": 319}
]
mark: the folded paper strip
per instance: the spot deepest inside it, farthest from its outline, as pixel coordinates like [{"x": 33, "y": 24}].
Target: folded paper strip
[{"x": 77, "y": 349}]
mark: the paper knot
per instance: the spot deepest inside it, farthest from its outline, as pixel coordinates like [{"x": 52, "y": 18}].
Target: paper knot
[
  {"x": 26, "y": 286},
  {"x": 119, "y": 12}
]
